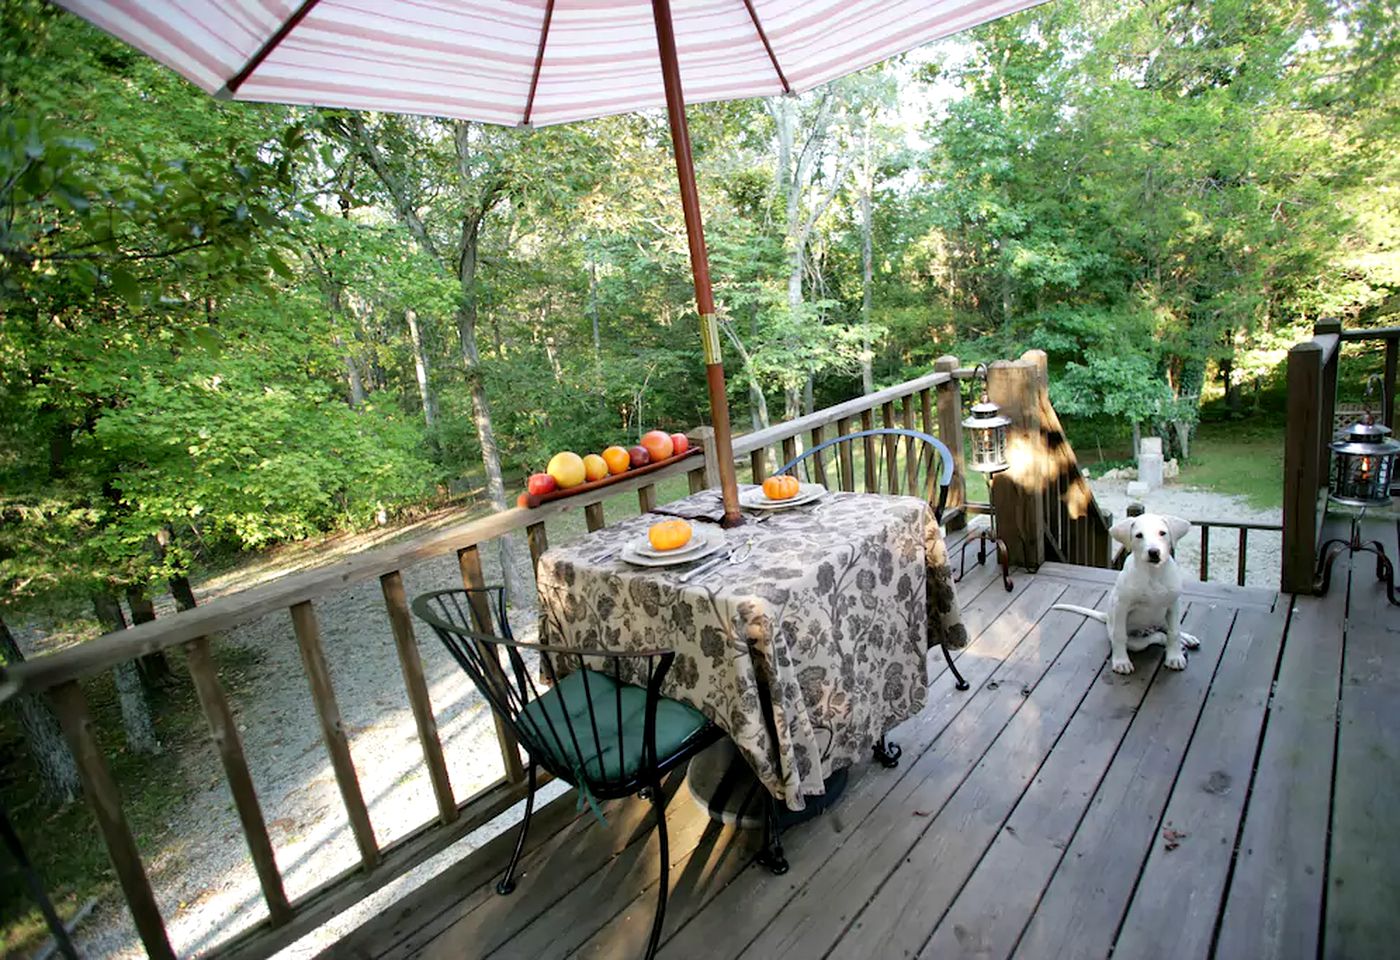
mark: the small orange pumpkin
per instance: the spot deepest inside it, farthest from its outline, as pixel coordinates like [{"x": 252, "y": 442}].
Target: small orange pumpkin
[
  {"x": 781, "y": 487},
  {"x": 669, "y": 534}
]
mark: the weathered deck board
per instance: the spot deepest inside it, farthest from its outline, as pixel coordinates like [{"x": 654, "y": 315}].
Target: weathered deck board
[
  {"x": 1363, "y": 882},
  {"x": 1173, "y": 912},
  {"x": 900, "y": 917},
  {"x": 1027, "y": 825},
  {"x": 1274, "y": 905},
  {"x": 1079, "y": 913},
  {"x": 822, "y": 910}
]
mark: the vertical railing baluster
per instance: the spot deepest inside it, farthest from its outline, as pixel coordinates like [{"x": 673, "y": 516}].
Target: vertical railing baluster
[
  {"x": 1243, "y": 553},
  {"x": 646, "y": 498},
  {"x": 758, "y": 464},
  {"x": 819, "y": 459},
  {"x": 101, "y": 791},
  {"x": 789, "y": 450},
  {"x": 911, "y": 459},
  {"x": 843, "y": 453},
  {"x": 872, "y": 467},
  {"x": 538, "y": 540},
  {"x": 593, "y": 513},
  {"x": 891, "y": 449},
  {"x": 411, "y": 665},
  {"x": 1205, "y": 552},
  {"x": 224, "y": 732},
  {"x": 318, "y": 674},
  {"x": 474, "y": 578}
]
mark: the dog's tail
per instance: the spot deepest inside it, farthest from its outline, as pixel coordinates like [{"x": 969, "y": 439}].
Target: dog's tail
[{"x": 1082, "y": 611}]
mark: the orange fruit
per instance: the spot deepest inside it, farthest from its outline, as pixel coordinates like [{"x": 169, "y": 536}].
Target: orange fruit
[
  {"x": 594, "y": 467},
  {"x": 781, "y": 487},
  {"x": 617, "y": 459},
  {"x": 567, "y": 469},
  {"x": 669, "y": 534}
]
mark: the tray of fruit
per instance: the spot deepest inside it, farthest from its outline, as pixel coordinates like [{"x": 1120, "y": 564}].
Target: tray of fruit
[{"x": 569, "y": 474}]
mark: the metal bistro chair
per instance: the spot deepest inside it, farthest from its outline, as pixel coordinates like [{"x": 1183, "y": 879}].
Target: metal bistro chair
[
  {"x": 922, "y": 451},
  {"x": 586, "y": 724}
]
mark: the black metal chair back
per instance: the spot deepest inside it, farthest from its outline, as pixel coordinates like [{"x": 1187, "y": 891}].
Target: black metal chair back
[
  {"x": 927, "y": 467},
  {"x": 580, "y": 722}
]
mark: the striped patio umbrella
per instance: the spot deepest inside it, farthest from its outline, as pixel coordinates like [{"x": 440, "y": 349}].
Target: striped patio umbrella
[{"x": 538, "y": 62}]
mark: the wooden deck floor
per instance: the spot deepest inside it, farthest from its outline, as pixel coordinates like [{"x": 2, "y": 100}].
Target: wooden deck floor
[{"x": 1242, "y": 808}]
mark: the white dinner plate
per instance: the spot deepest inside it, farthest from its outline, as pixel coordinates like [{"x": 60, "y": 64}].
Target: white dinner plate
[
  {"x": 711, "y": 541},
  {"x": 697, "y": 542},
  {"x": 755, "y": 498}
]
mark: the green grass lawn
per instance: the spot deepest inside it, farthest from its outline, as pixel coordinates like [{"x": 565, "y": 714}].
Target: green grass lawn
[{"x": 1245, "y": 459}]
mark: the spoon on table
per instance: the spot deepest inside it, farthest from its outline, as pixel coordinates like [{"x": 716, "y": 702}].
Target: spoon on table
[{"x": 738, "y": 555}]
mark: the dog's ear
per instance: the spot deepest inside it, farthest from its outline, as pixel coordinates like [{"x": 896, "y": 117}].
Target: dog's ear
[
  {"x": 1122, "y": 531},
  {"x": 1177, "y": 528}
]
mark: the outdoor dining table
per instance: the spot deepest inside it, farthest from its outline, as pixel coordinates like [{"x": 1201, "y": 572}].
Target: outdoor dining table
[{"x": 827, "y": 614}]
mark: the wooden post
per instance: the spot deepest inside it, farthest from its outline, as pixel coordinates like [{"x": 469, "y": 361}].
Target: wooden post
[
  {"x": 646, "y": 498},
  {"x": 539, "y": 542},
  {"x": 593, "y": 514},
  {"x": 101, "y": 791},
  {"x": 872, "y": 467},
  {"x": 224, "y": 732},
  {"x": 1302, "y": 469},
  {"x": 704, "y": 438},
  {"x": 950, "y": 432},
  {"x": 469, "y": 562},
  {"x": 318, "y": 674},
  {"x": 400, "y": 621},
  {"x": 1014, "y": 386}
]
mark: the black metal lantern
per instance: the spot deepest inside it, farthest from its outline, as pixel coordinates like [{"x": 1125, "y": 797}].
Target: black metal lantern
[
  {"x": 1363, "y": 463},
  {"x": 984, "y": 435},
  {"x": 985, "y": 432}
]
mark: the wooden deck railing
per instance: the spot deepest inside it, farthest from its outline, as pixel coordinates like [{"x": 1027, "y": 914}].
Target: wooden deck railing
[
  {"x": 933, "y": 402},
  {"x": 1312, "y": 398}
]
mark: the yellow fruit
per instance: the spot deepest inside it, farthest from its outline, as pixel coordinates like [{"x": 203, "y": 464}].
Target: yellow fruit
[
  {"x": 595, "y": 467},
  {"x": 781, "y": 487},
  {"x": 669, "y": 534},
  {"x": 617, "y": 459},
  {"x": 567, "y": 469}
]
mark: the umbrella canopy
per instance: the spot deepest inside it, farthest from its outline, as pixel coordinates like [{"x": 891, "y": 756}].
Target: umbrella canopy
[{"x": 537, "y": 62}]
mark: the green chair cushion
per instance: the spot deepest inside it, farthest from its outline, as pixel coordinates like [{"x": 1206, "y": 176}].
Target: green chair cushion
[{"x": 676, "y": 723}]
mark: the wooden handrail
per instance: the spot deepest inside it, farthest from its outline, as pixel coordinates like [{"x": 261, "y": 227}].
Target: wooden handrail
[
  {"x": 758, "y": 439},
  {"x": 231, "y": 610},
  {"x": 1375, "y": 333}
]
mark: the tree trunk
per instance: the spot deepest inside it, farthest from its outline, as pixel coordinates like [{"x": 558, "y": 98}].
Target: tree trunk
[
  {"x": 593, "y": 316},
  {"x": 867, "y": 255},
  {"x": 57, "y": 772},
  {"x": 136, "y": 711},
  {"x": 792, "y": 402},
  {"x": 1137, "y": 439},
  {"x": 155, "y": 669},
  {"x": 420, "y": 369},
  {"x": 481, "y": 407},
  {"x": 758, "y": 403}
]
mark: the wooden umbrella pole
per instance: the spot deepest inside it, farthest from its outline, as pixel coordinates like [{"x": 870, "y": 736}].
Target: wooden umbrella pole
[{"x": 699, "y": 260}]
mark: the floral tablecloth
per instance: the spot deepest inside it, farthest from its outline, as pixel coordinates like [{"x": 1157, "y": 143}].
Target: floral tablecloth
[{"x": 834, "y": 610}]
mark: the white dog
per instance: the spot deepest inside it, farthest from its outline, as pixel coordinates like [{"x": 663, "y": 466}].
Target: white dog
[{"x": 1144, "y": 604}]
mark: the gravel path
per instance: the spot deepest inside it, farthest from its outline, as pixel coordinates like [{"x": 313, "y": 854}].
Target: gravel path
[{"x": 203, "y": 879}]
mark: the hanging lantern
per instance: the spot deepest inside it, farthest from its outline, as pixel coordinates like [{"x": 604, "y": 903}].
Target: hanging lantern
[
  {"x": 1363, "y": 463},
  {"x": 985, "y": 432}
]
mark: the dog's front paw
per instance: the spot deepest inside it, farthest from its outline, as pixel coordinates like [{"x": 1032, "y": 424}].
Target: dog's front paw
[
  {"x": 1190, "y": 642},
  {"x": 1122, "y": 665},
  {"x": 1176, "y": 661}
]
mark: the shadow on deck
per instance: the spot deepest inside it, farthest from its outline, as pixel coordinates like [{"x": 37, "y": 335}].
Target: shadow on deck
[{"x": 1241, "y": 808}]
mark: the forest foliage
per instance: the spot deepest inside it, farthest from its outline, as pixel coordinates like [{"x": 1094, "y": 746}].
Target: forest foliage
[{"x": 229, "y": 325}]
